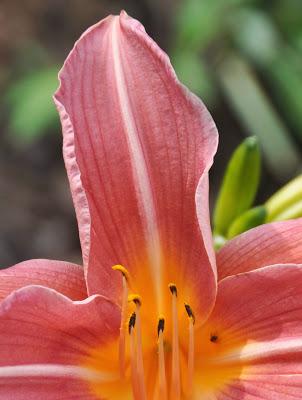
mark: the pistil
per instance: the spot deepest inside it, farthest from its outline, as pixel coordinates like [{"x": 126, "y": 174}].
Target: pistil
[
  {"x": 139, "y": 348},
  {"x": 161, "y": 360},
  {"x": 175, "y": 380},
  {"x": 122, "y": 339},
  {"x": 190, "y": 350}
]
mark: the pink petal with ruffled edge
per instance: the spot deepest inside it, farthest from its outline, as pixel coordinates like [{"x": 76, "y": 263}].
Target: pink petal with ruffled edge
[
  {"x": 46, "y": 341},
  {"x": 275, "y": 243},
  {"x": 136, "y": 144},
  {"x": 257, "y": 322},
  {"x": 65, "y": 277}
]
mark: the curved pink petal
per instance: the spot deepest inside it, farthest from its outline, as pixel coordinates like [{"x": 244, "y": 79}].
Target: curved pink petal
[
  {"x": 45, "y": 339},
  {"x": 275, "y": 243},
  {"x": 136, "y": 143},
  {"x": 257, "y": 323},
  {"x": 265, "y": 387},
  {"x": 64, "y": 277}
]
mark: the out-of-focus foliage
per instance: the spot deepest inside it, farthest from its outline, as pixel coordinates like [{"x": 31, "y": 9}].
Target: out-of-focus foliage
[
  {"x": 32, "y": 111},
  {"x": 242, "y": 57},
  {"x": 251, "y": 51},
  {"x": 258, "y": 116}
]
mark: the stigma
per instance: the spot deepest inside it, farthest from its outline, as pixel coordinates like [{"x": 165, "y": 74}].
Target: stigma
[{"x": 132, "y": 348}]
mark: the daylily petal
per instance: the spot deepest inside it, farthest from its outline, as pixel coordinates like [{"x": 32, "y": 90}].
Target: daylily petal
[
  {"x": 64, "y": 277},
  {"x": 136, "y": 143},
  {"x": 42, "y": 382},
  {"x": 275, "y": 243},
  {"x": 46, "y": 342},
  {"x": 266, "y": 387},
  {"x": 258, "y": 344}
]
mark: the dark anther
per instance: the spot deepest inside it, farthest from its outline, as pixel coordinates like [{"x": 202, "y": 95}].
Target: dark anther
[
  {"x": 214, "y": 338},
  {"x": 132, "y": 322},
  {"x": 160, "y": 326},
  {"x": 190, "y": 312},
  {"x": 173, "y": 288},
  {"x": 137, "y": 302}
]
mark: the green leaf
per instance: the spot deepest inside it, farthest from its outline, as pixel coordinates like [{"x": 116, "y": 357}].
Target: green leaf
[
  {"x": 288, "y": 17},
  {"x": 239, "y": 186},
  {"x": 198, "y": 22},
  {"x": 255, "y": 34},
  {"x": 32, "y": 111},
  {"x": 286, "y": 82},
  {"x": 248, "y": 220},
  {"x": 258, "y": 115}
]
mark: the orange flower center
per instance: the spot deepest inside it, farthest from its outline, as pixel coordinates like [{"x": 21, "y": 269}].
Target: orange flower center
[
  {"x": 168, "y": 346},
  {"x": 166, "y": 359}
]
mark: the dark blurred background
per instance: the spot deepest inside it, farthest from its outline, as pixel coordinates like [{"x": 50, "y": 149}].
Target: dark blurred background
[{"x": 242, "y": 57}]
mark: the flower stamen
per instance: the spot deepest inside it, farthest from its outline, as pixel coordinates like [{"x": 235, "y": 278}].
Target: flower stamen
[
  {"x": 122, "y": 339},
  {"x": 139, "y": 348},
  {"x": 175, "y": 380},
  {"x": 161, "y": 360},
  {"x": 190, "y": 350},
  {"x": 134, "y": 377}
]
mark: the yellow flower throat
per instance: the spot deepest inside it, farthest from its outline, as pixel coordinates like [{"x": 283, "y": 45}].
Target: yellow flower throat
[{"x": 164, "y": 357}]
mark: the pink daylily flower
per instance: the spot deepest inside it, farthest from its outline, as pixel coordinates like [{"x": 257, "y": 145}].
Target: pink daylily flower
[{"x": 170, "y": 320}]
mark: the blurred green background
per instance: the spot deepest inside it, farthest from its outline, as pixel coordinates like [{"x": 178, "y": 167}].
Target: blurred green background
[{"x": 242, "y": 57}]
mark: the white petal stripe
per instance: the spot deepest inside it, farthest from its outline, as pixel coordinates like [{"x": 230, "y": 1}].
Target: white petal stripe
[
  {"x": 139, "y": 167},
  {"x": 54, "y": 371},
  {"x": 261, "y": 350}
]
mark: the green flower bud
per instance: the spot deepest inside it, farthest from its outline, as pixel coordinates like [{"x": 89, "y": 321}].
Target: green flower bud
[
  {"x": 292, "y": 212},
  {"x": 284, "y": 204},
  {"x": 248, "y": 220},
  {"x": 239, "y": 186}
]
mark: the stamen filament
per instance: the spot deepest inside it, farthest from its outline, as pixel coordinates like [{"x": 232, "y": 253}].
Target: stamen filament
[
  {"x": 190, "y": 350},
  {"x": 175, "y": 379},
  {"x": 134, "y": 376},
  {"x": 139, "y": 349},
  {"x": 122, "y": 339},
  {"x": 163, "y": 395}
]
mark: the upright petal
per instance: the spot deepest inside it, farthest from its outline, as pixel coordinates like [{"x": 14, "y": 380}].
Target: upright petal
[
  {"x": 64, "y": 277},
  {"x": 136, "y": 144},
  {"x": 46, "y": 346},
  {"x": 257, "y": 351},
  {"x": 275, "y": 243}
]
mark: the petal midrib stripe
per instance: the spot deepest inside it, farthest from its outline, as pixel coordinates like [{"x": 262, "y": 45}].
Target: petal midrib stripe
[
  {"x": 138, "y": 162},
  {"x": 54, "y": 371}
]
